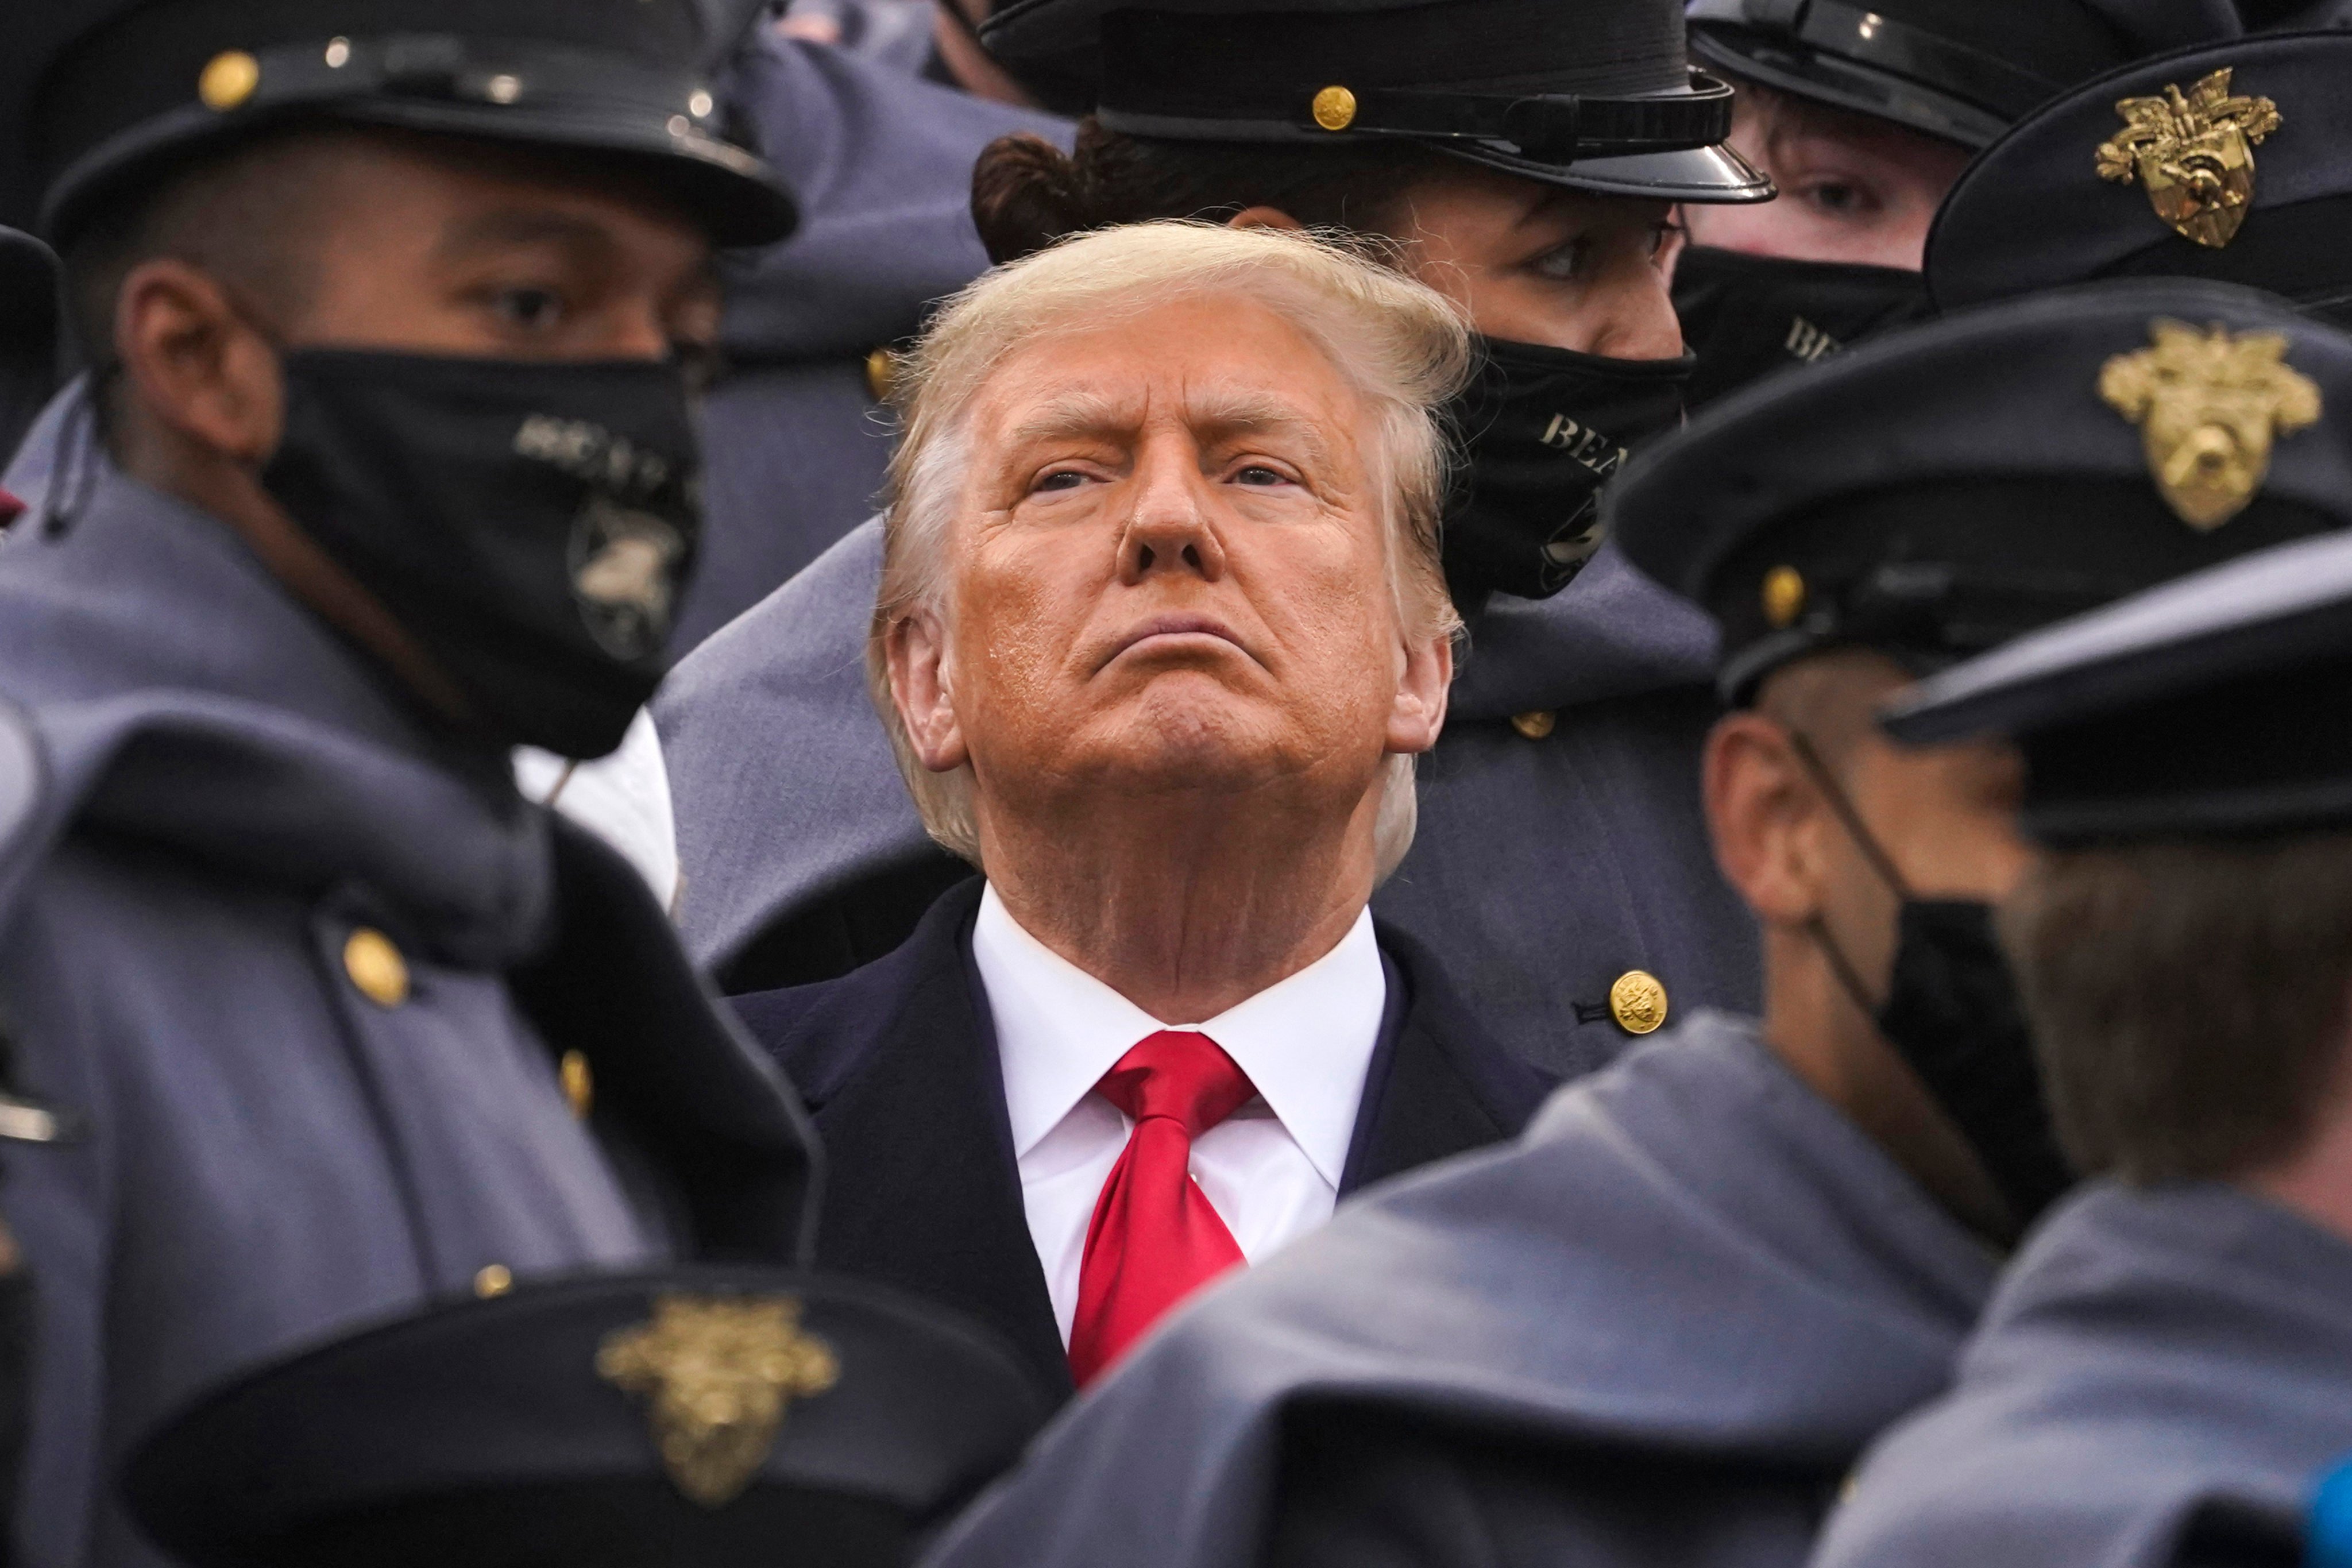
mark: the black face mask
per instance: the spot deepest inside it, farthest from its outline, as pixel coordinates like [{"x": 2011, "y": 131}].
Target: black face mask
[
  {"x": 1544, "y": 429},
  {"x": 531, "y": 525},
  {"x": 1951, "y": 1011},
  {"x": 1747, "y": 316}
]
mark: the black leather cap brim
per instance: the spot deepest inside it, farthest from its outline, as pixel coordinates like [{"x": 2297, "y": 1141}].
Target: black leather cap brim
[
  {"x": 735, "y": 197},
  {"x": 1705, "y": 174},
  {"x": 1842, "y": 84}
]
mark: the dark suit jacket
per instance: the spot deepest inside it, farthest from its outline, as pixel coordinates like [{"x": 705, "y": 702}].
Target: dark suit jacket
[{"x": 898, "y": 1064}]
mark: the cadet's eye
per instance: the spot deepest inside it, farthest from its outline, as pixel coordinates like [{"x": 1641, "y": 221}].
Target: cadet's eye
[
  {"x": 1564, "y": 263},
  {"x": 532, "y": 309},
  {"x": 1839, "y": 198}
]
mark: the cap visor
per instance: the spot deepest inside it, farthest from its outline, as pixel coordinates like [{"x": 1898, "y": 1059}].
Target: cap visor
[{"x": 1699, "y": 174}]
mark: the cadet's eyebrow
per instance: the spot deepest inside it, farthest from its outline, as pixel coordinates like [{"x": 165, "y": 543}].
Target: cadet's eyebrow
[{"x": 587, "y": 239}]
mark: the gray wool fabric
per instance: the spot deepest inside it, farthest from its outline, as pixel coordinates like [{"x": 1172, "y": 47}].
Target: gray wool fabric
[
  {"x": 1543, "y": 869},
  {"x": 1690, "y": 1258},
  {"x": 794, "y": 441},
  {"x": 204, "y": 792},
  {"x": 2148, "y": 1350}
]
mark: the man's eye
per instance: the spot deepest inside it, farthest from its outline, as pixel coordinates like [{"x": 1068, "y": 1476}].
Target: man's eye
[
  {"x": 532, "y": 309},
  {"x": 1259, "y": 474},
  {"x": 1061, "y": 479}
]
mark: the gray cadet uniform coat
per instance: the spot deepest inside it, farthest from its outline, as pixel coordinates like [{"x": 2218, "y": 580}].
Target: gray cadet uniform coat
[
  {"x": 2148, "y": 1350},
  {"x": 203, "y": 796},
  {"x": 794, "y": 440},
  {"x": 1655, "y": 1331},
  {"x": 1560, "y": 843}
]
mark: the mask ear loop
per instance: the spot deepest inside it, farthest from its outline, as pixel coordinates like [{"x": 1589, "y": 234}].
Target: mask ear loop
[
  {"x": 74, "y": 477},
  {"x": 1843, "y": 809}
]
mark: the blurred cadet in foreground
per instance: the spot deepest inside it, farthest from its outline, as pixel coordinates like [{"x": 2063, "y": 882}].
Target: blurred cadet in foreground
[
  {"x": 1863, "y": 116},
  {"x": 1660, "y": 1328},
  {"x": 385, "y": 465},
  {"x": 714, "y": 1418},
  {"x": 1559, "y": 874},
  {"x": 2183, "y": 1327},
  {"x": 798, "y": 433},
  {"x": 2226, "y": 162},
  {"x": 1160, "y": 637}
]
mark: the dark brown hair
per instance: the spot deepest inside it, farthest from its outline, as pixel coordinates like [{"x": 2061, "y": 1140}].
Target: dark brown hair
[
  {"x": 1027, "y": 193},
  {"x": 2189, "y": 1000}
]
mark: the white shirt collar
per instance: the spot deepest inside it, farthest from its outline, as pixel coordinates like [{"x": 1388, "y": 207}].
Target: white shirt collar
[{"x": 1305, "y": 1042}]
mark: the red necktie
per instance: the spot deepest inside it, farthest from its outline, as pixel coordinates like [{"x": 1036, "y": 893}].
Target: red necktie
[{"x": 1154, "y": 1238}]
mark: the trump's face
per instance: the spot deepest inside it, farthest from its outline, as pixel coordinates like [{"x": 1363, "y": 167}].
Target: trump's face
[{"x": 1169, "y": 573}]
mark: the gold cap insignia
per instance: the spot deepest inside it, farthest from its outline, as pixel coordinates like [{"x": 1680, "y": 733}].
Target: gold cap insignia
[
  {"x": 2194, "y": 155},
  {"x": 1335, "y": 109},
  {"x": 720, "y": 1371},
  {"x": 227, "y": 79},
  {"x": 2209, "y": 406}
]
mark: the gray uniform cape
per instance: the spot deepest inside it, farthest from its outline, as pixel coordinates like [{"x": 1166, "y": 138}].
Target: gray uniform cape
[
  {"x": 794, "y": 438},
  {"x": 1548, "y": 863},
  {"x": 1692, "y": 1287},
  {"x": 2148, "y": 1351},
  {"x": 203, "y": 795}
]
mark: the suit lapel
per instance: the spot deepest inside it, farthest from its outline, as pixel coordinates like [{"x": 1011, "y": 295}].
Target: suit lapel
[
  {"x": 1438, "y": 1085},
  {"x": 922, "y": 1190}
]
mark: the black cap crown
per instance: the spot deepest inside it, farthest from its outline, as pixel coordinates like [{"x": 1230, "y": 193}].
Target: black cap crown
[
  {"x": 1594, "y": 94},
  {"x": 704, "y": 1417},
  {"x": 2231, "y": 161},
  {"x": 102, "y": 94},
  {"x": 1944, "y": 489},
  {"x": 1961, "y": 69}
]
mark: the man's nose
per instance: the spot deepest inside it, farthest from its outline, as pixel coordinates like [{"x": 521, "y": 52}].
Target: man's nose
[{"x": 1169, "y": 529}]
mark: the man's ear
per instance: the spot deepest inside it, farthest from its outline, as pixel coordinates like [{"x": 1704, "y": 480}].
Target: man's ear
[
  {"x": 1766, "y": 818},
  {"x": 922, "y": 685},
  {"x": 1263, "y": 217},
  {"x": 194, "y": 365},
  {"x": 1423, "y": 684}
]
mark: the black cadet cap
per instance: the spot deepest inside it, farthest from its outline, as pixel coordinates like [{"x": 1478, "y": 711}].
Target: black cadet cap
[
  {"x": 100, "y": 95},
  {"x": 2210, "y": 707},
  {"x": 1962, "y": 69},
  {"x": 1940, "y": 491},
  {"x": 599, "y": 1422},
  {"x": 2105, "y": 182},
  {"x": 1593, "y": 94}
]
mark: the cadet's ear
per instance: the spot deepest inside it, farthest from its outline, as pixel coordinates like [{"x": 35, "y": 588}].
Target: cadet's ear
[
  {"x": 193, "y": 364},
  {"x": 1766, "y": 818},
  {"x": 922, "y": 688}
]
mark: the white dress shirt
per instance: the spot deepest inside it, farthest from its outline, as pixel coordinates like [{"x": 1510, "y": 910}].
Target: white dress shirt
[{"x": 1271, "y": 1170}]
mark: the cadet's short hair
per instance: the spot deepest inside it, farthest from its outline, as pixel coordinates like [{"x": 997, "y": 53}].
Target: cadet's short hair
[
  {"x": 2189, "y": 1000},
  {"x": 1400, "y": 344}
]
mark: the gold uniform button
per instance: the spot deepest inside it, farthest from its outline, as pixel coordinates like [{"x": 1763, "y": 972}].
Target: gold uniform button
[
  {"x": 579, "y": 1083},
  {"x": 1784, "y": 597},
  {"x": 881, "y": 373},
  {"x": 1638, "y": 1001},
  {"x": 1538, "y": 725},
  {"x": 1335, "y": 109},
  {"x": 376, "y": 967},
  {"x": 494, "y": 1280},
  {"x": 228, "y": 80}
]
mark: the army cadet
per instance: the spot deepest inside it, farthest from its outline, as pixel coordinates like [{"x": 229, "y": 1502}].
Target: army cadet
[
  {"x": 2223, "y": 162},
  {"x": 1660, "y": 1327},
  {"x": 1863, "y": 115},
  {"x": 796, "y": 429},
  {"x": 1559, "y": 874},
  {"x": 384, "y": 465},
  {"x": 704, "y": 1417},
  {"x": 2182, "y": 1329}
]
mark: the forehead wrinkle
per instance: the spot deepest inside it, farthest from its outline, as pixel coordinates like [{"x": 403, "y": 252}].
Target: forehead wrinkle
[
  {"x": 1228, "y": 411},
  {"x": 1076, "y": 411}
]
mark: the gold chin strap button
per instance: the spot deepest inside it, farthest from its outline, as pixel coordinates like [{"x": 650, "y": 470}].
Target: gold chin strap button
[
  {"x": 1638, "y": 1001},
  {"x": 228, "y": 80},
  {"x": 375, "y": 967},
  {"x": 881, "y": 373},
  {"x": 1538, "y": 725},
  {"x": 579, "y": 1083},
  {"x": 1335, "y": 109},
  {"x": 493, "y": 1280}
]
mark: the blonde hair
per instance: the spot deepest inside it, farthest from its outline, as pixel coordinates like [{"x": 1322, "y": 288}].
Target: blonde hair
[{"x": 1400, "y": 345}]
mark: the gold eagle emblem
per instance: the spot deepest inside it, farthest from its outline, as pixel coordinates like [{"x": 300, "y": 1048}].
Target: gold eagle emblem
[
  {"x": 719, "y": 1372},
  {"x": 2209, "y": 406},
  {"x": 2193, "y": 153}
]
